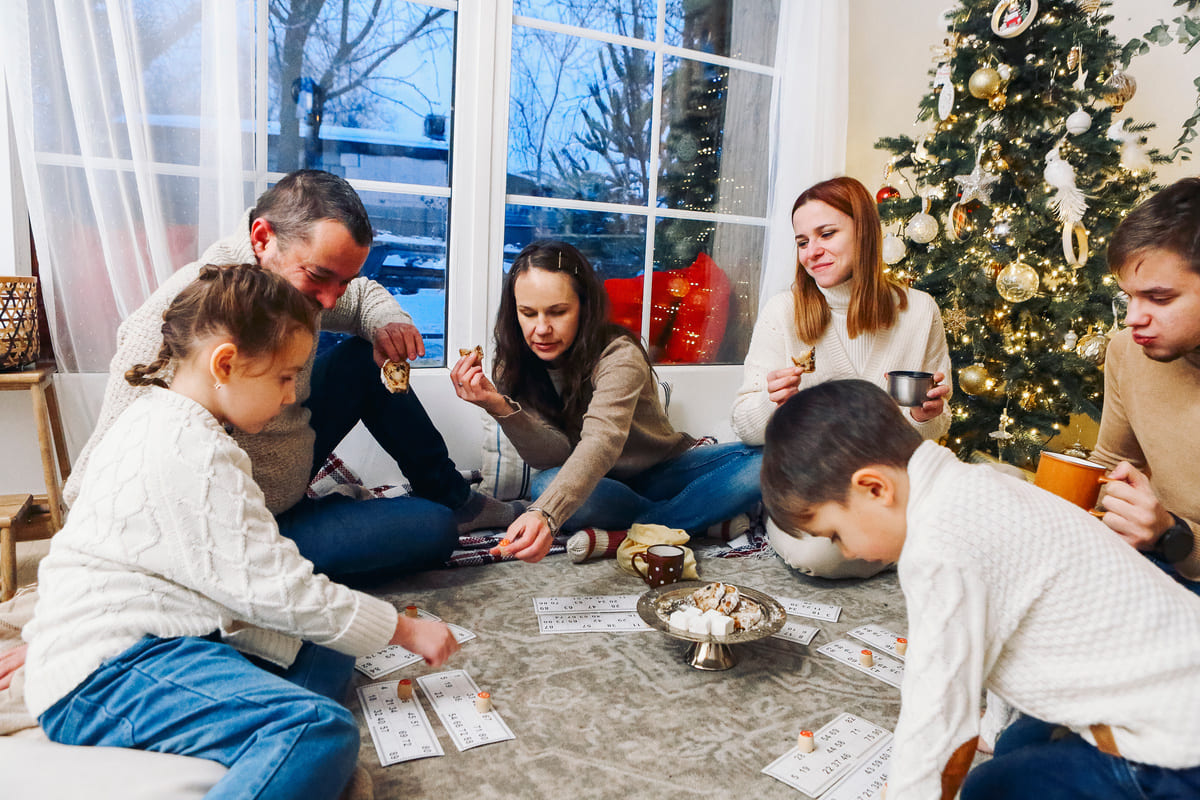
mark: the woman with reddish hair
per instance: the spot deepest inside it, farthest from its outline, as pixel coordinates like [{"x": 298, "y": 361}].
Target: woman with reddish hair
[{"x": 844, "y": 317}]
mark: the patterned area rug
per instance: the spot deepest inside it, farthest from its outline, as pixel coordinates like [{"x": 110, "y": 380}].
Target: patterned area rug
[{"x": 474, "y": 548}]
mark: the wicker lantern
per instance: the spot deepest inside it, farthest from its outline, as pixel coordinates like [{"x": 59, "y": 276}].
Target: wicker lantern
[{"x": 18, "y": 322}]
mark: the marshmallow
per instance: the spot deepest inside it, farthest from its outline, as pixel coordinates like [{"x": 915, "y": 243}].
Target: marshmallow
[
  {"x": 679, "y": 620},
  {"x": 698, "y": 624},
  {"x": 721, "y": 625}
]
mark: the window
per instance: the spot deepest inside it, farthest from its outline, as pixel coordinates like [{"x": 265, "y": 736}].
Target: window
[{"x": 635, "y": 129}]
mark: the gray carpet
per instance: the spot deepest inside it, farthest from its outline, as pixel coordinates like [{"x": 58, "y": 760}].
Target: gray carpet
[{"x": 620, "y": 715}]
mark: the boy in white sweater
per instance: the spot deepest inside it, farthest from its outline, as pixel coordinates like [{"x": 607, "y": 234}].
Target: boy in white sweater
[
  {"x": 171, "y": 610},
  {"x": 1010, "y": 589}
]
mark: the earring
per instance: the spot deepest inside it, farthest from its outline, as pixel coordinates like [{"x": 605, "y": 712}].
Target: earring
[{"x": 218, "y": 385}]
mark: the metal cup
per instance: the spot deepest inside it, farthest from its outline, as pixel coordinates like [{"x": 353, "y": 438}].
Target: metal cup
[{"x": 909, "y": 388}]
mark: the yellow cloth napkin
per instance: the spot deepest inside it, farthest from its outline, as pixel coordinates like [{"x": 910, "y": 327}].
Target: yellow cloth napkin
[{"x": 642, "y": 536}]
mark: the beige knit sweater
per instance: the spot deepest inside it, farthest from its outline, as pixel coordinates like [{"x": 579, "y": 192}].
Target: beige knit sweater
[
  {"x": 625, "y": 431},
  {"x": 1152, "y": 420},
  {"x": 282, "y": 452},
  {"x": 916, "y": 342}
]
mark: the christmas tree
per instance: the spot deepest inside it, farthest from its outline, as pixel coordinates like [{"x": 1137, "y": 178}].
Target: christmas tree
[{"x": 1025, "y": 167}]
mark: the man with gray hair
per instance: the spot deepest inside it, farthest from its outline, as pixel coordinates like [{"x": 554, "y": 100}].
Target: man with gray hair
[{"x": 311, "y": 228}]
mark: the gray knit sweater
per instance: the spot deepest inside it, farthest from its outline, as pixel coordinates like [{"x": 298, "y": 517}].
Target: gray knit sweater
[{"x": 282, "y": 452}]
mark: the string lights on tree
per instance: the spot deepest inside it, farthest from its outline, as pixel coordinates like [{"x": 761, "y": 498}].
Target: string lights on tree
[{"x": 1022, "y": 152}]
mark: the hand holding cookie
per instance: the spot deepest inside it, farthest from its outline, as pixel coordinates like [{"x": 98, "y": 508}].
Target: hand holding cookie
[{"x": 472, "y": 384}]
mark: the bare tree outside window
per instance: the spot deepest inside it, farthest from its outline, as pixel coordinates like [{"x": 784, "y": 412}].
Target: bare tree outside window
[{"x": 357, "y": 61}]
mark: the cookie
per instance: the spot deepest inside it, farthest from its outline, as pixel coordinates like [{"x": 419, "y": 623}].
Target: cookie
[
  {"x": 394, "y": 375},
  {"x": 466, "y": 351},
  {"x": 807, "y": 361}
]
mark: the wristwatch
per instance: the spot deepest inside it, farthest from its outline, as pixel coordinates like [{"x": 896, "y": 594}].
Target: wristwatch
[{"x": 1176, "y": 542}]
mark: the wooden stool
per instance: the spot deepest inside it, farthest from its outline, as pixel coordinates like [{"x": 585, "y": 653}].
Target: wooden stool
[
  {"x": 14, "y": 513},
  {"x": 46, "y": 414}
]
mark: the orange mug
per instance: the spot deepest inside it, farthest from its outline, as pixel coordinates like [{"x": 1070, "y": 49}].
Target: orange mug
[
  {"x": 664, "y": 564},
  {"x": 1070, "y": 478}
]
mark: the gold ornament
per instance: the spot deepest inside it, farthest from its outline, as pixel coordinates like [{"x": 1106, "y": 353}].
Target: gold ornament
[
  {"x": 1089, "y": 6},
  {"x": 1092, "y": 348},
  {"x": 955, "y": 320},
  {"x": 974, "y": 379},
  {"x": 1118, "y": 90},
  {"x": 1077, "y": 450},
  {"x": 1073, "y": 56},
  {"x": 1017, "y": 282},
  {"x": 984, "y": 83}
]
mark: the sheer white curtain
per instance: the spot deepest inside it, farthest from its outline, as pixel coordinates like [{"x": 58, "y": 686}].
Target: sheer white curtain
[
  {"x": 133, "y": 124},
  {"x": 809, "y": 110}
]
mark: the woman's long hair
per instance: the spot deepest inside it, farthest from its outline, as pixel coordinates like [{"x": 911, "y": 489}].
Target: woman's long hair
[
  {"x": 875, "y": 299},
  {"x": 520, "y": 374}
]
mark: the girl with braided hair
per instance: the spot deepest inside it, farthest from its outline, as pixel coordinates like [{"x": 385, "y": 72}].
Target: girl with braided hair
[{"x": 172, "y": 614}]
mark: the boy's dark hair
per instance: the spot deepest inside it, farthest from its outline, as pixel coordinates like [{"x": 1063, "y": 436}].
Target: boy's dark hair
[
  {"x": 257, "y": 309},
  {"x": 1170, "y": 220},
  {"x": 818, "y": 439},
  {"x": 303, "y": 198}
]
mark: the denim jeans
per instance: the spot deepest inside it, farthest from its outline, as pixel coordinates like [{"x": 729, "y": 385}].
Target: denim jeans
[
  {"x": 1191, "y": 586},
  {"x": 279, "y": 735},
  {"x": 1029, "y": 763},
  {"x": 364, "y": 542},
  {"x": 696, "y": 489}
]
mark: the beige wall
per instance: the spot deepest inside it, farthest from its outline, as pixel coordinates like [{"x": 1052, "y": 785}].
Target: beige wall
[{"x": 890, "y": 63}]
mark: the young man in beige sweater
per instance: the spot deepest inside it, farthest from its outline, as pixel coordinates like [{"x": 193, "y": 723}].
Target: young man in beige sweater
[{"x": 1150, "y": 427}]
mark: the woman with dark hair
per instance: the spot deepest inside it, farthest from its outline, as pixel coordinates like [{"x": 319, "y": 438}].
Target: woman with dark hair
[
  {"x": 576, "y": 394},
  {"x": 843, "y": 318}
]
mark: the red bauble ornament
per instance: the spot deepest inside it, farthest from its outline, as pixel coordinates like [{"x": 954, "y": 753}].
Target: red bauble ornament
[{"x": 886, "y": 193}]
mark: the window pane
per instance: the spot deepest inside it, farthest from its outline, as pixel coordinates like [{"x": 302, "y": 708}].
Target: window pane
[
  {"x": 365, "y": 87},
  {"x": 579, "y": 118},
  {"x": 633, "y": 18},
  {"x": 408, "y": 257},
  {"x": 714, "y": 139},
  {"x": 741, "y": 29},
  {"x": 705, "y": 291},
  {"x": 615, "y": 244}
]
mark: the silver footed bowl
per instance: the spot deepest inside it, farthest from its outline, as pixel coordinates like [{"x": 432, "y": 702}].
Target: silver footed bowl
[{"x": 656, "y": 605}]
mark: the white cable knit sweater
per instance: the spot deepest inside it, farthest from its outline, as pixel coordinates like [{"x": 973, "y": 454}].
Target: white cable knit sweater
[
  {"x": 1012, "y": 589},
  {"x": 916, "y": 342},
  {"x": 170, "y": 537},
  {"x": 282, "y": 452}
]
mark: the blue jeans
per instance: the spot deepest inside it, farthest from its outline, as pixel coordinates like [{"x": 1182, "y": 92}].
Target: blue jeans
[
  {"x": 365, "y": 542},
  {"x": 1029, "y": 764},
  {"x": 278, "y": 734},
  {"x": 696, "y": 489},
  {"x": 1191, "y": 586}
]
